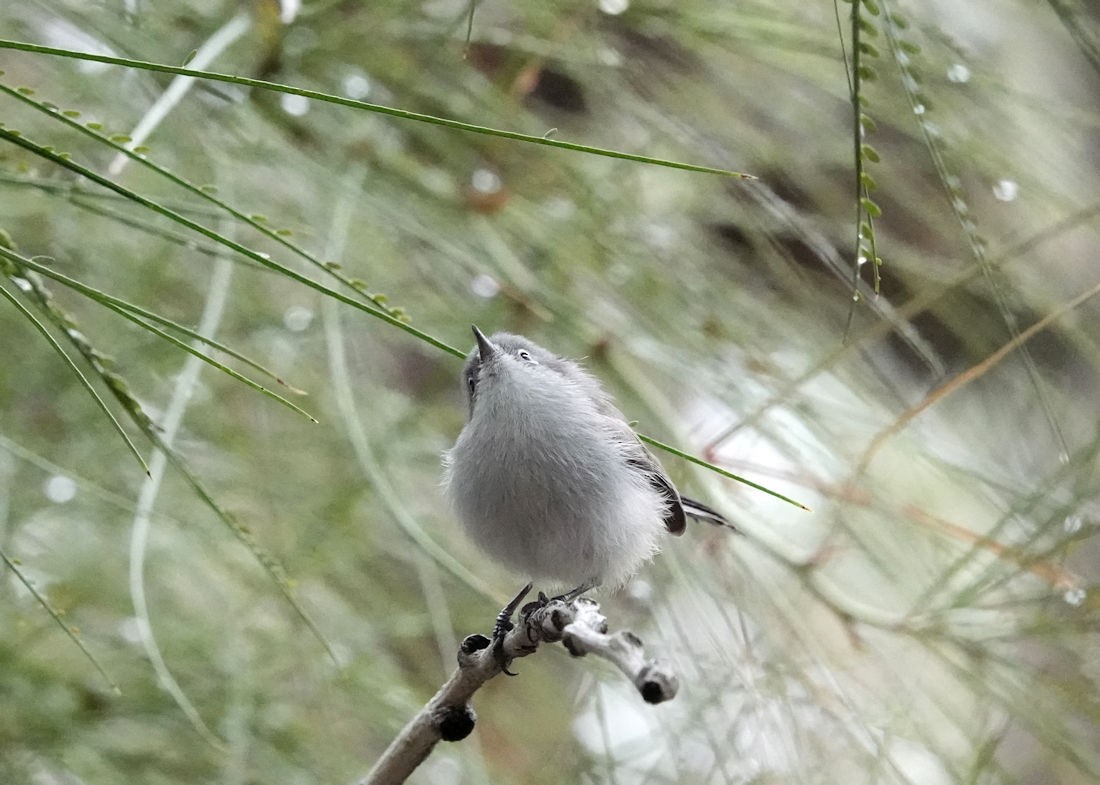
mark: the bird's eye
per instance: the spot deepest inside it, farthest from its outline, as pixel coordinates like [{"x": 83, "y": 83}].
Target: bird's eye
[
  {"x": 471, "y": 384},
  {"x": 526, "y": 356}
]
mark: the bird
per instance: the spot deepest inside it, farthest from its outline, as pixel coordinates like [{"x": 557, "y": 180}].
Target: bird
[{"x": 549, "y": 479}]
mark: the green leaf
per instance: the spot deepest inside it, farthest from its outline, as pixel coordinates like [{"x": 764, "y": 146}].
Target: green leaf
[
  {"x": 68, "y": 629},
  {"x": 869, "y": 207},
  {"x": 363, "y": 105},
  {"x": 138, "y": 315},
  {"x": 718, "y": 469},
  {"x": 265, "y": 260},
  {"x": 87, "y": 385}
]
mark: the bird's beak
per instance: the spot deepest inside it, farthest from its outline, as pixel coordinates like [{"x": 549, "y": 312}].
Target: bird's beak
[{"x": 484, "y": 346}]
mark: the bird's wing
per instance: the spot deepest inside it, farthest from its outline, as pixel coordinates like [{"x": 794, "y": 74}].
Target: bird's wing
[{"x": 642, "y": 460}]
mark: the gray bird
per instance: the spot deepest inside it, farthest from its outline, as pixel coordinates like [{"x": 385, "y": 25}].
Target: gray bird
[{"x": 547, "y": 476}]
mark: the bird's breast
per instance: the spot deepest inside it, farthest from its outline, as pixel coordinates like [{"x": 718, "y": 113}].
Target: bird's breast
[{"x": 545, "y": 459}]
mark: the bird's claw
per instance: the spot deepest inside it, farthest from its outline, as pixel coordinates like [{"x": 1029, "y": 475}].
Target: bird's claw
[
  {"x": 503, "y": 626},
  {"x": 504, "y": 623}
]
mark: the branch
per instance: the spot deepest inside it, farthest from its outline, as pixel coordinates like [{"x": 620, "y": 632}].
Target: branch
[{"x": 448, "y": 716}]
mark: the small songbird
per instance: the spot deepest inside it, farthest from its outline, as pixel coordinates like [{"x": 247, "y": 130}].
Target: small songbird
[{"x": 547, "y": 476}]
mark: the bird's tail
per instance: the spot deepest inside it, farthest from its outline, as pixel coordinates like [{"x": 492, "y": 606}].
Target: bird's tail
[{"x": 702, "y": 512}]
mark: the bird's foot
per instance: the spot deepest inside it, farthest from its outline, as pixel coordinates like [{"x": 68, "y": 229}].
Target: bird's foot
[
  {"x": 503, "y": 626},
  {"x": 504, "y": 623}
]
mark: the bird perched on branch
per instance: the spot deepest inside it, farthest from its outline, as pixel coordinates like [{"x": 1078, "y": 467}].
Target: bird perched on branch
[{"x": 547, "y": 476}]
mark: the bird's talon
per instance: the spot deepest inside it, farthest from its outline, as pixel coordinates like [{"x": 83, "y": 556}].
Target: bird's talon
[{"x": 503, "y": 626}]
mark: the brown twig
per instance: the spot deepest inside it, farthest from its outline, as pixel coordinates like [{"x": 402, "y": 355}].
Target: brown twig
[{"x": 448, "y": 716}]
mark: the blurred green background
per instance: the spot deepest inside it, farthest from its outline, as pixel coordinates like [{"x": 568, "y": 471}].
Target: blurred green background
[{"x": 934, "y": 618}]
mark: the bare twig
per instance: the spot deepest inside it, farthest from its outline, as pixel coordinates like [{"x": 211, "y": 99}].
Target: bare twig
[{"x": 448, "y": 716}]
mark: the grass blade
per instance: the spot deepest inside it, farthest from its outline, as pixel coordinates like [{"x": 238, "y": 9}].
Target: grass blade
[{"x": 38, "y": 325}]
